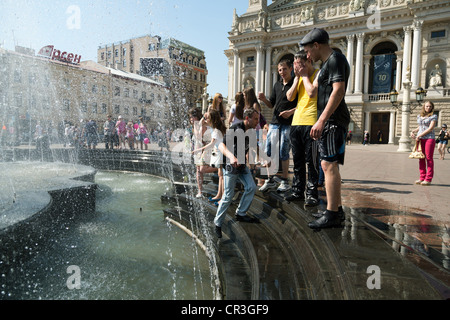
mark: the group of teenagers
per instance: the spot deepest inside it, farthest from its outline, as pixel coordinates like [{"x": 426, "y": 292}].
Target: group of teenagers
[{"x": 310, "y": 117}]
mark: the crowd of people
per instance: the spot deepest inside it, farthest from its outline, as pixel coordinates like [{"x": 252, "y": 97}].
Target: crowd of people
[
  {"x": 115, "y": 134},
  {"x": 310, "y": 117}
]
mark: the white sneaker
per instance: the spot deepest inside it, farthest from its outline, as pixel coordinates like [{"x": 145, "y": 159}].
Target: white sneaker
[
  {"x": 284, "y": 186},
  {"x": 268, "y": 185}
]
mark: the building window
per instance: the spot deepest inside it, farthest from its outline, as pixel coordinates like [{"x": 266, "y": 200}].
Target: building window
[
  {"x": 117, "y": 91},
  {"x": 66, "y": 83},
  {"x": 84, "y": 107},
  {"x": 126, "y": 93},
  {"x": 116, "y": 52},
  {"x": 17, "y": 76},
  {"x": 102, "y": 56},
  {"x": 135, "y": 94},
  {"x": 94, "y": 108},
  {"x": 104, "y": 108},
  {"x": 135, "y": 111},
  {"x": 66, "y": 105},
  {"x": 94, "y": 88},
  {"x": 104, "y": 90},
  {"x": 251, "y": 59},
  {"x": 126, "y": 110},
  {"x": 116, "y": 109},
  {"x": 31, "y": 78},
  {"x": 46, "y": 103},
  {"x": 438, "y": 34}
]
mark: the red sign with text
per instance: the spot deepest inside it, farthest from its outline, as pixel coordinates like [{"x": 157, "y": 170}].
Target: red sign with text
[{"x": 54, "y": 54}]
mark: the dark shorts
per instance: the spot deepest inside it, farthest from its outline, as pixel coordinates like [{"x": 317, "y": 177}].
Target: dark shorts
[{"x": 332, "y": 143}]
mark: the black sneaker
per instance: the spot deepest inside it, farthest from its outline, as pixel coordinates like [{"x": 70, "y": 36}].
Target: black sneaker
[
  {"x": 218, "y": 232},
  {"x": 341, "y": 214},
  {"x": 244, "y": 218},
  {"x": 294, "y": 197},
  {"x": 311, "y": 201},
  {"x": 327, "y": 220}
]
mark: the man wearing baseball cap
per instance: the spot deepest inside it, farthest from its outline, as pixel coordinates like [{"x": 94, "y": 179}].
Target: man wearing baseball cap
[{"x": 331, "y": 127}]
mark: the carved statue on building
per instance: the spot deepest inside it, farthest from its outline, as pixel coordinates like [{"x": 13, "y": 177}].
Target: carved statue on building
[
  {"x": 436, "y": 77},
  {"x": 356, "y": 5},
  {"x": 235, "y": 25},
  {"x": 262, "y": 19}
]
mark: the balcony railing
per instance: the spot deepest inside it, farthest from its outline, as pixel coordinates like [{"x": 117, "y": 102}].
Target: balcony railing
[{"x": 373, "y": 97}]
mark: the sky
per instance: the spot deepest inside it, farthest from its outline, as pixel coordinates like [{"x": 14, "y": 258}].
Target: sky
[{"x": 80, "y": 27}]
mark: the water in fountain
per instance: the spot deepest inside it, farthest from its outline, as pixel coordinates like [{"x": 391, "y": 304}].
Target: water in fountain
[{"x": 127, "y": 251}]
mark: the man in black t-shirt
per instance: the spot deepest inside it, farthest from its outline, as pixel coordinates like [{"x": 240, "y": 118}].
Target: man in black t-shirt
[
  {"x": 279, "y": 102},
  {"x": 237, "y": 142},
  {"x": 330, "y": 130}
]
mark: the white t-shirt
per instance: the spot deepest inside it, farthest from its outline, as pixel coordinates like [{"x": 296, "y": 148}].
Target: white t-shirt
[
  {"x": 233, "y": 112},
  {"x": 217, "y": 136}
]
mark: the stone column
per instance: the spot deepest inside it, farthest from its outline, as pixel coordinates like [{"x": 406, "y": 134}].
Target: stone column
[
  {"x": 268, "y": 77},
  {"x": 259, "y": 67},
  {"x": 350, "y": 40},
  {"x": 230, "y": 92},
  {"x": 398, "y": 77},
  {"x": 366, "y": 73},
  {"x": 236, "y": 73},
  {"x": 392, "y": 127},
  {"x": 359, "y": 63},
  {"x": 404, "y": 144},
  {"x": 406, "y": 53},
  {"x": 274, "y": 76},
  {"x": 417, "y": 48},
  {"x": 367, "y": 120}
]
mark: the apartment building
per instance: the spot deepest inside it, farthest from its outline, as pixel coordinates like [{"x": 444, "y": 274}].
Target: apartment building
[{"x": 179, "y": 65}]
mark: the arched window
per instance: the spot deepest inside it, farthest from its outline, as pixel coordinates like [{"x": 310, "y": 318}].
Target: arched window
[{"x": 383, "y": 68}]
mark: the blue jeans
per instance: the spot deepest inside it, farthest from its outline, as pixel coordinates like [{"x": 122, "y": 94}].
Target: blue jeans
[
  {"x": 283, "y": 137},
  {"x": 229, "y": 181}
]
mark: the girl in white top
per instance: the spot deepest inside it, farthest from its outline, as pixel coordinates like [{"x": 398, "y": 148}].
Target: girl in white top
[
  {"x": 213, "y": 119},
  {"x": 237, "y": 110}
]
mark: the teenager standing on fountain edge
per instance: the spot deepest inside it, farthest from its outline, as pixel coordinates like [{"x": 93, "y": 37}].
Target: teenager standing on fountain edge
[
  {"x": 234, "y": 169},
  {"x": 330, "y": 130}
]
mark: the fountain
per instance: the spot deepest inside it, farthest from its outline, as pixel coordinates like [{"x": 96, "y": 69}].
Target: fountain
[{"x": 55, "y": 200}]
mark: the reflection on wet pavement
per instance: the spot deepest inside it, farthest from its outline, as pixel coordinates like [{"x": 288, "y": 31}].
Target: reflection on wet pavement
[{"x": 422, "y": 239}]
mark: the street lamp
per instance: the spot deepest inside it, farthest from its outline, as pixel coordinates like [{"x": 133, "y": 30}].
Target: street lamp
[
  {"x": 420, "y": 95},
  {"x": 393, "y": 96}
]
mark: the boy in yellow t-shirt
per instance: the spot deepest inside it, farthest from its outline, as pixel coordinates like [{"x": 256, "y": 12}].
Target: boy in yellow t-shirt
[{"x": 304, "y": 148}]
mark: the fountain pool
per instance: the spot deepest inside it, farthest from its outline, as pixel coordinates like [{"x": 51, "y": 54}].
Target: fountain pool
[{"x": 126, "y": 250}]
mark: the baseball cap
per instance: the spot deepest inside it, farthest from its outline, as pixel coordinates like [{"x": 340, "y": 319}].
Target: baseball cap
[{"x": 315, "y": 35}]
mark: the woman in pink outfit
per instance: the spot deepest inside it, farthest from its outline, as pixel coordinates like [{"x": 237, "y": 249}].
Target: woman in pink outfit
[
  {"x": 121, "y": 131},
  {"x": 424, "y": 134}
]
